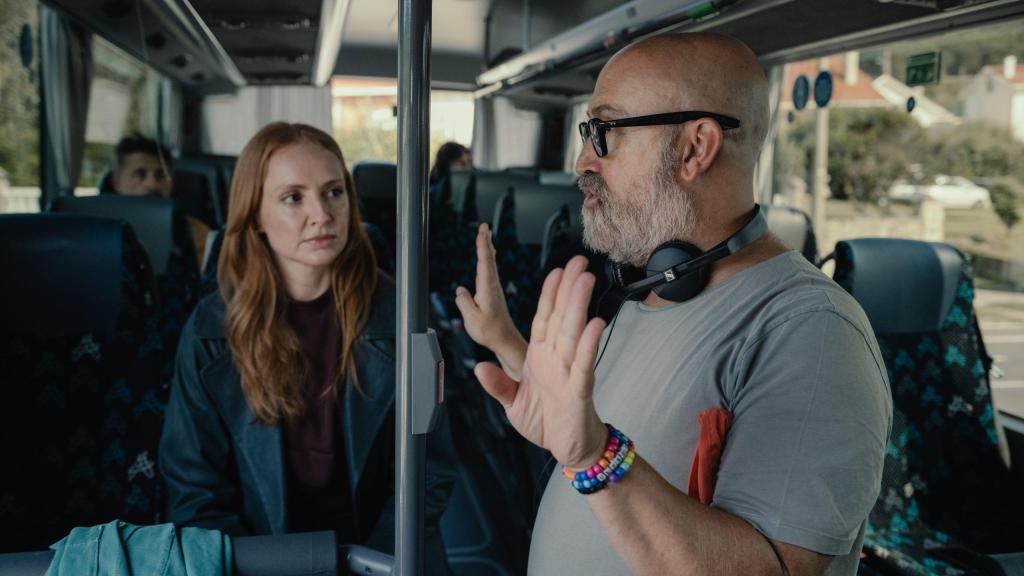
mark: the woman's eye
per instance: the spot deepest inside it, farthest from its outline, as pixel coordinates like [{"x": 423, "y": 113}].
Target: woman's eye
[
  {"x": 335, "y": 193},
  {"x": 292, "y": 198}
]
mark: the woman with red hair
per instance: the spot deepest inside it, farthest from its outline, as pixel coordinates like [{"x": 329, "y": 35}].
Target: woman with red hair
[{"x": 281, "y": 416}]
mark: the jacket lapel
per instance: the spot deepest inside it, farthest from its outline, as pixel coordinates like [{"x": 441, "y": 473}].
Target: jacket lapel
[
  {"x": 366, "y": 412},
  {"x": 259, "y": 446}
]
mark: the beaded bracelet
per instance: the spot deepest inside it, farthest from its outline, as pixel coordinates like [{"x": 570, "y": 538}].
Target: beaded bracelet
[{"x": 613, "y": 465}]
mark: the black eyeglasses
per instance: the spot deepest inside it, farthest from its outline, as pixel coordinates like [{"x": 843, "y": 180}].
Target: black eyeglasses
[{"x": 594, "y": 129}]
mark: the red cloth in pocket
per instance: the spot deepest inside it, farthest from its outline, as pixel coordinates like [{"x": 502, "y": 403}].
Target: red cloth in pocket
[{"x": 714, "y": 427}]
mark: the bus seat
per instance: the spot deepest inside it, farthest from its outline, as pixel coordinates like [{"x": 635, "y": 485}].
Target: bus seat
[
  {"x": 537, "y": 203},
  {"x": 193, "y": 195},
  {"x": 377, "y": 187},
  {"x": 944, "y": 481},
  {"x": 794, "y": 229},
  {"x": 164, "y": 233},
  {"x": 460, "y": 185},
  {"x": 206, "y": 178},
  {"x": 106, "y": 183},
  {"x": 488, "y": 190},
  {"x": 81, "y": 358}
]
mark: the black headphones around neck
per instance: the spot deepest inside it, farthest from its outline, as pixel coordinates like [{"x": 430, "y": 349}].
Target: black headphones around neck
[{"x": 678, "y": 271}]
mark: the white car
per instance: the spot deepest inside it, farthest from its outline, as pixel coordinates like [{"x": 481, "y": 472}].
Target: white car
[{"x": 950, "y": 191}]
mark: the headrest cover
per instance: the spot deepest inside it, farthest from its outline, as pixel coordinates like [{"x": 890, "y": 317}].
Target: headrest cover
[
  {"x": 62, "y": 273},
  {"x": 376, "y": 180},
  {"x": 904, "y": 286},
  {"x": 152, "y": 219}
]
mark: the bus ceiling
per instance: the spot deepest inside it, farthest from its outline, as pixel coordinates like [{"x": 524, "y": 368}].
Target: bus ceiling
[
  {"x": 535, "y": 52},
  {"x": 778, "y": 31}
]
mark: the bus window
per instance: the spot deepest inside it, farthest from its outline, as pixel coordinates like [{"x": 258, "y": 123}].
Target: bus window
[
  {"x": 123, "y": 100},
  {"x": 19, "y": 106},
  {"x": 942, "y": 161},
  {"x": 365, "y": 125}
]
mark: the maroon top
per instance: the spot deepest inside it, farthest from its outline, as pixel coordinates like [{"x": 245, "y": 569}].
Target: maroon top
[{"x": 318, "y": 492}]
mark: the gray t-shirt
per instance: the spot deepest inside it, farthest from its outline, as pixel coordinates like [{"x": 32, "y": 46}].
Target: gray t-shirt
[{"x": 793, "y": 357}]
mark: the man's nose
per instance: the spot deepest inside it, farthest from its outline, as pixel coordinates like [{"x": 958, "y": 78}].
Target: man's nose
[{"x": 587, "y": 161}]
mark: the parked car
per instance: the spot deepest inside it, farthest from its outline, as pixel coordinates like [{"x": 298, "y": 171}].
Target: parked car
[{"x": 950, "y": 191}]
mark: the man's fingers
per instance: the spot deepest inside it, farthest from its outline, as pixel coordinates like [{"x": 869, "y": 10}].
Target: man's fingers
[
  {"x": 497, "y": 383},
  {"x": 464, "y": 302},
  {"x": 573, "y": 269},
  {"x": 486, "y": 269},
  {"x": 575, "y": 317},
  {"x": 545, "y": 305},
  {"x": 586, "y": 354}
]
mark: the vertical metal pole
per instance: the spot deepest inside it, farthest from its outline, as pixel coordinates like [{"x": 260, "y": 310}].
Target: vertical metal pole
[
  {"x": 820, "y": 189},
  {"x": 414, "y": 19}
]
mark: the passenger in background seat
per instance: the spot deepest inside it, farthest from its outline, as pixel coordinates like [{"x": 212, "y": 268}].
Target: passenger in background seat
[
  {"x": 282, "y": 408},
  {"x": 449, "y": 155},
  {"x": 142, "y": 167},
  {"x": 750, "y": 398}
]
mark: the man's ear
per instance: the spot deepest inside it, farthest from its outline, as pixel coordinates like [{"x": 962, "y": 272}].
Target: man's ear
[{"x": 700, "y": 143}]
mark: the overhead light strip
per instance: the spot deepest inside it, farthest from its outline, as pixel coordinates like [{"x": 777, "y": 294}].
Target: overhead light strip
[{"x": 333, "y": 14}]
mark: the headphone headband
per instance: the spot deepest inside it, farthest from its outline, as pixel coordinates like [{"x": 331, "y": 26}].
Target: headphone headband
[{"x": 751, "y": 231}]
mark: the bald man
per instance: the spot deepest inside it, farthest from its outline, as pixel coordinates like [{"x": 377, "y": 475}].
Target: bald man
[{"x": 758, "y": 409}]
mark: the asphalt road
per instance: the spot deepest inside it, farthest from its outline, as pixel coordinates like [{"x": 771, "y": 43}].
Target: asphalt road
[{"x": 1001, "y": 315}]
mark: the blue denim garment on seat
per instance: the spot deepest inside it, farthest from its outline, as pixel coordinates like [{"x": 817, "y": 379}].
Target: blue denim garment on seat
[{"x": 121, "y": 549}]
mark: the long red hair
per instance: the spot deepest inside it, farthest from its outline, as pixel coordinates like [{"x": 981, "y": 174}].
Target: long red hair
[{"x": 264, "y": 346}]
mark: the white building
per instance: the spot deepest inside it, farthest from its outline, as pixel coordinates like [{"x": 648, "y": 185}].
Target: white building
[{"x": 996, "y": 96}]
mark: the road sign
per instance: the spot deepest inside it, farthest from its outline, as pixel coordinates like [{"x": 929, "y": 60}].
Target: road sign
[
  {"x": 801, "y": 90},
  {"x": 823, "y": 89},
  {"x": 924, "y": 69}
]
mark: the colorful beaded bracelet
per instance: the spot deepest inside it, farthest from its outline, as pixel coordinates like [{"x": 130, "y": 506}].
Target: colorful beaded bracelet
[{"x": 615, "y": 462}]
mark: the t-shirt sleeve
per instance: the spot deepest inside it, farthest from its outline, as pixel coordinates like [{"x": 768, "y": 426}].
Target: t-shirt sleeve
[{"x": 812, "y": 412}]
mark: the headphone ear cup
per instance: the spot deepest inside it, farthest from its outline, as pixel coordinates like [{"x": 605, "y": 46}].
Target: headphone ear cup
[
  {"x": 687, "y": 284},
  {"x": 621, "y": 275}
]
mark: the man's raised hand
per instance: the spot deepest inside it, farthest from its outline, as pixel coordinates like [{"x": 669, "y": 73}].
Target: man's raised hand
[{"x": 552, "y": 405}]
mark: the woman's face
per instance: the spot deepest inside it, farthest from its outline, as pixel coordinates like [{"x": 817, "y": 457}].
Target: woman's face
[{"x": 304, "y": 209}]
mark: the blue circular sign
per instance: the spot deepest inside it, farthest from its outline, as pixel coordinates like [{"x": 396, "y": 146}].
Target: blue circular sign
[
  {"x": 911, "y": 104},
  {"x": 801, "y": 91},
  {"x": 823, "y": 89},
  {"x": 25, "y": 46}
]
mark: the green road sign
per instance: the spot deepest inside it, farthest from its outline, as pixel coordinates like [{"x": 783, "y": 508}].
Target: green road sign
[{"x": 923, "y": 69}]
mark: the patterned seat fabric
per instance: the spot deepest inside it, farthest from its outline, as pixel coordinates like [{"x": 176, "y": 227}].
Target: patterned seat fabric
[
  {"x": 518, "y": 266},
  {"x": 179, "y": 290},
  {"x": 83, "y": 405},
  {"x": 944, "y": 483}
]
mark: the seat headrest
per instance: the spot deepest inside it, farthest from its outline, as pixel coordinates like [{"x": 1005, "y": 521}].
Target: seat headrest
[
  {"x": 376, "y": 180},
  {"x": 793, "y": 228},
  {"x": 536, "y": 203},
  {"x": 152, "y": 219},
  {"x": 106, "y": 184},
  {"x": 491, "y": 186},
  {"x": 191, "y": 192},
  {"x": 904, "y": 286},
  {"x": 62, "y": 273}
]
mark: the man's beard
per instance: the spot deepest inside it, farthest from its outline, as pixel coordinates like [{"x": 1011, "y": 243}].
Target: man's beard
[{"x": 631, "y": 226}]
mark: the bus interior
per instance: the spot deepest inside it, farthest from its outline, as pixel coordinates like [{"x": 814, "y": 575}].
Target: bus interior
[{"x": 96, "y": 287}]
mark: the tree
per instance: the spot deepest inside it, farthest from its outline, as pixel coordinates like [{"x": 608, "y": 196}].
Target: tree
[
  {"x": 868, "y": 150},
  {"x": 1006, "y": 203}
]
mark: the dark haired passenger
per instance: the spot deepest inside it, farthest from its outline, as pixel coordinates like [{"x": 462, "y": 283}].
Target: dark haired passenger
[
  {"x": 142, "y": 167},
  {"x": 449, "y": 155},
  {"x": 281, "y": 416}
]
